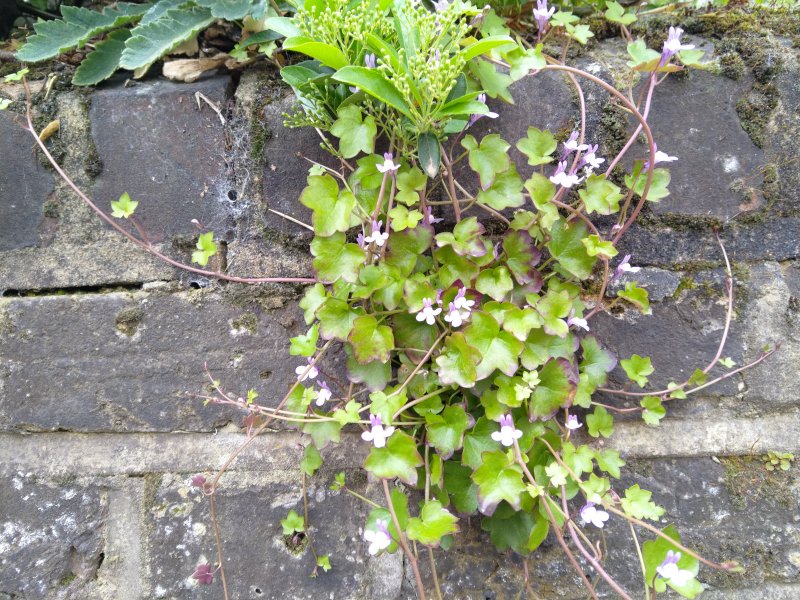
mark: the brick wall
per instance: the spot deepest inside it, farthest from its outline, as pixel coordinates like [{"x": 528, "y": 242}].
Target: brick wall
[{"x": 102, "y": 347}]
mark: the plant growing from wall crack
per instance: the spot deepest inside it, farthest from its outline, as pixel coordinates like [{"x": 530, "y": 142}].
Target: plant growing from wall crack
[{"x": 473, "y": 371}]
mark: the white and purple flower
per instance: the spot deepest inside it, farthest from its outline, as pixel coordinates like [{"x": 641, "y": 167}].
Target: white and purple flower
[
  {"x": 308, "y": 371},
  {"x": 562, "y": 178},
  {"x": 591, "y": 160},
  {"x": 378, "y": 434},
  {"x": 572, "y": 145},
  {"x": 670, "y": 571},
  {"x": 591, "y": 514},
  {"x": 376, "y": 237},
  {"x": 661, "y": 157},
  {"x": 542, "y": 15},
  {"x": 379, "y": 538},
  {"x": 370, "y": 61},
  {"x": 508, "y": 433},
  {"x": 388, "y": 166},
  {"x": 572, "y": 422},
  {"x": 428, "y": 313},
  {"x": 475, "y": 116},
  {"x": 625, "y": 267},
  {"x": 324, "y": 394},
  {"x": 673, "y": 45}
]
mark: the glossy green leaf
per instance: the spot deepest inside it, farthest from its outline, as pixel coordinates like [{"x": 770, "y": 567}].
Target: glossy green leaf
[
  {"x": 538, "y": 146},
  {"x": 638, "y": 368},
  {"x": 433, "y": 523},
  {"x": 558, "y": 382},
  {"x": 497, "y": 480},
  {"x": 356, "y": 134},
  {"x": 399, "y": 458},
  {"x": 445, "y": 431},
  {"x": 499, "y": 349},
  {"x": 324, "y": 53},
  {"x": 600, "y": 422},
  {"x": 374, "y": 83},
  {"x": 637, "y": 503},
  {"x": 458, "y": 361},
  {"x": 488, "y": 158},
  {"x": 335, "y": 259},
  {"x": 566, "y": 246},
  {"x": 600, "y": 195},
  {"x": 370, "y": 340}
]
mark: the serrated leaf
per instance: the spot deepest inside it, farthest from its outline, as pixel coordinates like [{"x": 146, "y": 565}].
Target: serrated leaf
[
  {"x": 652, "y": 410},
  {"x": 206, "y": 248},
  {"x": 600, "y": 195},
  {"x": 370, "y": 340},
  {"x": 538, "y": 146},
  {"x": 293, "y": 523},
  {"x": 638, "y": 504},
  {"x": 230, "y": 10},
  {"x": 356, "y": 133},
  {"x": 433, "y": 523},
  {"x": 311, "y": 460},
  {"x": 152, "y": 41},
  {"x": 458, "y": 361},
  {"x": 566, "y": 246},
  {"x": 616, "y": 13},
  {"x": 77, "y": 27},
  {"x": 335, "y": 259},
  {"x": 558, "y": 382},
  {"x": 103, "y": 61},
  {"x": 597, "y": 247},
  {"x": 488, "y": 158},
  {"x": 445, "y": 431},
  {"x": 497, "y": 480},
  {"x": 638, "y": 368},
  {"x": 399, "y": 458},
  {"x": 498, "y": 349},
  {"x": 636, "y": 296},
  {"x": 331, "y": 209},
  {"x": 600, "y": 422},
  {"x": 124, "y": 207}
]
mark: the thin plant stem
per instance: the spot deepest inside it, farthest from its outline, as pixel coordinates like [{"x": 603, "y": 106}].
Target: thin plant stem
[
  {"x": 401, "y": 539},
  {"x": 641, "y": 560},
  {"x": 146, "y": 246},
  {"x": 435, "y": 575}
]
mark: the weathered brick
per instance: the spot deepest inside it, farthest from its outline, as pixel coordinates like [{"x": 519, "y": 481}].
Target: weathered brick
[
  {"x": 25, "y": 186},
  {"x": 51, "y": 538},
  {"x": 156, "y": 145},
  {"x": 130, "y": 362}
]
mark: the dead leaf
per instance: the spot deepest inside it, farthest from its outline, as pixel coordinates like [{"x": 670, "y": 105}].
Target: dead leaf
[
  {"x": 49, "y": 131},
  {"x": 190, "y": 69}
]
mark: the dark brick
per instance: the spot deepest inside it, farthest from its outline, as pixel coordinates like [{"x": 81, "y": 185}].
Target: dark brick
[
  {"x": 260, "y": 562},
  {"x": 52, "y": 536},
  {"x": 25, "y": 186},
  {"x": 128, "y": 362},
  {"x": 156, "y": 145}
]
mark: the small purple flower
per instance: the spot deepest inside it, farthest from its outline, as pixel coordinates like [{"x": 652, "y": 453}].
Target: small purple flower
[
  {"x": 461, "y": 302},
  {"x": 571, "y": 145},
  {"x": 542, "y": 15},
  {"x": 673, "y": 45},
  {"x": 428, "y": 313},
  {"x": 361, "y": 240},
  {"x": 456, "y": 317},
  {"x": 301, "y": 371},
  {"x": 441, "y": 5},
  {"x": 378, "y": 434},
  {"x": 376, "y": 236},
  {"x": 508, "y": 433},
  {"x": 562, "y": 178},
  {"x": 369, "y": 61},
  {"x": 669, "y": 570},
  {"x": 199, "y": 481},
  {"x": 591, "y": 514},
  {"x": 572, "y": 422},
  {"x": 388, "y": 165},
  {"x": 324, "y": 394},
  {"x": 428, "y": 217},
  {"x": 577, "y": 322},
  {"x": 590, "y": 159},
  {"x": 625, "y": 267},
  {"x": 437, "y": 56},
  {"x": 661, "y": 157},
  {"x": 476, "y": 116},
  {"x": 439, "y": 297},
  {"x": 379, "y": 538},
  {"x": 203, "y": 574}
]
